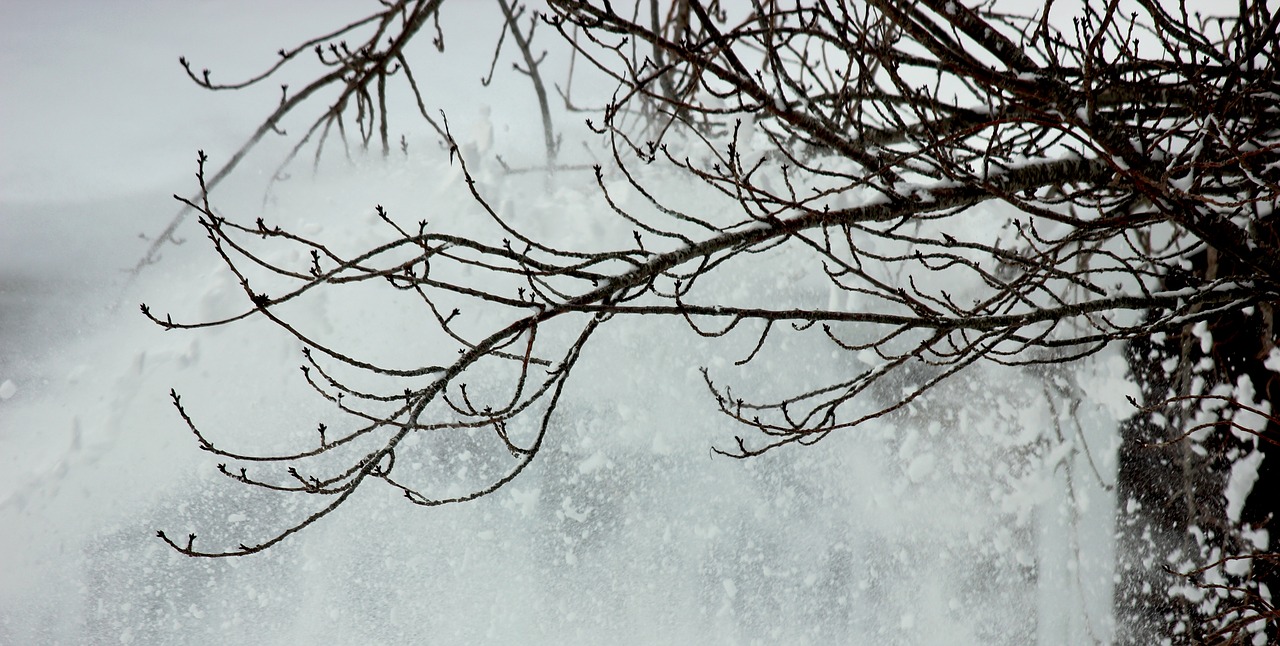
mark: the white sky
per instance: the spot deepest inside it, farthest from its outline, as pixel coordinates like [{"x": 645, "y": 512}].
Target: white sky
[{"x": 95, "y": 104}]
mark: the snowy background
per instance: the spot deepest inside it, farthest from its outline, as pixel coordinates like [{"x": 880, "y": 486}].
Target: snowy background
[{"x": 973, "y": 518}]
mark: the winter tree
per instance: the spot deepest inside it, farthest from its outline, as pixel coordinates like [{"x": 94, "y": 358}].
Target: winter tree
[{"x": 1128, "y": 153}]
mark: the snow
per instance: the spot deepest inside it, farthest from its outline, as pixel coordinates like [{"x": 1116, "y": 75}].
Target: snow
[
  {"x": 921, "y": 467},
  {"x": 1244, "y": 473},
  {"x": 1201, "y": 331},
  {"x": 1272, "y": 361},
  {"x": 1248, "y": 420},
  {"x": 1250, "y": 417},
  {"x": 953, "y": 523}
]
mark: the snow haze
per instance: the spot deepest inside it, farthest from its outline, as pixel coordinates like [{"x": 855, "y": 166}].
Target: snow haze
[{"x": 979, "y": 515}]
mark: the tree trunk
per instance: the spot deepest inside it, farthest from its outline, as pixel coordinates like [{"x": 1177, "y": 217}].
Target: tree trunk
[{"x": 1175, "y": 482}]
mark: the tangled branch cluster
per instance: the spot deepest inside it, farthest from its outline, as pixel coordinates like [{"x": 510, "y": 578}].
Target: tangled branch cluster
[{"x": 856, "y": 139}]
